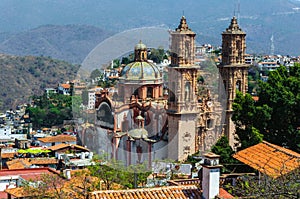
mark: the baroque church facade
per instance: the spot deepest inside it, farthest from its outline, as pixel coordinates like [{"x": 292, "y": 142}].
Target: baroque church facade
[{"x": 146, "y": 120}]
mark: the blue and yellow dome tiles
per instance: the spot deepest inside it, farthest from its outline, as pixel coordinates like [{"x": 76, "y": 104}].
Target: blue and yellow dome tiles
[{"x": 141, "y": 68}]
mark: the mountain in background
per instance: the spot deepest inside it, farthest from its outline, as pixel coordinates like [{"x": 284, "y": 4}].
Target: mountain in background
[
  {"x": 25, "y": 30},
  {"x": 69, "y": 42},
  {"x": 22, "y": 77},
  {"x": 259, "y": 19}
]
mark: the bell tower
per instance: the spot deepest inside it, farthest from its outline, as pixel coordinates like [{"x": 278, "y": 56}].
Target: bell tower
[
  {"x": 233, "y": 72},
  {"x": 182, "y": 99}
]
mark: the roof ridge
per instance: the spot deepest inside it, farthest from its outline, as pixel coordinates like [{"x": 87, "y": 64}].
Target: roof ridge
[
  {"x": 150, "y": 188},
  {"x": 283, "y": 150}
]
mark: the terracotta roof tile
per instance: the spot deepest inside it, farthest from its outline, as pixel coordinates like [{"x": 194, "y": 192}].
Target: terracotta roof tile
[
  {"x": 45, "y": 161},
  {"x": 8, "y": 155},
  {"x": 255, "y": 98},
  {"x": 223, "y": 194},
  {"x": 18, "y": 164},
  {"x": 17, "y": 192},
  {"x": 23, "y": 163},
  {"x": 269, "y": 159},
  {"x": 66, "y": 86},
  {"x": 62, "y": 146},
  {"x": 29, "y": 173},
  {"x": 58, "y": 138},
  {"x": 183, "y": 192}
]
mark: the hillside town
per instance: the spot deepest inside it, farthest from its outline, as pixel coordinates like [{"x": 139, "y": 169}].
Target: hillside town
[{"x": 162, "y": 114}]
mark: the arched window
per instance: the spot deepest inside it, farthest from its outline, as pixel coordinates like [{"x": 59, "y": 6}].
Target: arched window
[{"x": 149, "y": 92}]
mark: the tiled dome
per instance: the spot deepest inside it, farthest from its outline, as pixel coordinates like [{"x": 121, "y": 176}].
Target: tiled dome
[
  {"x": 140, "y": 46},
  {"x": 141, "y": 68},
  {"x": 138, "y": 133}
]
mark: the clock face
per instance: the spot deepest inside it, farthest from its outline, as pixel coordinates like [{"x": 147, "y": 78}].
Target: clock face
[{"x": 209, "y": 104}]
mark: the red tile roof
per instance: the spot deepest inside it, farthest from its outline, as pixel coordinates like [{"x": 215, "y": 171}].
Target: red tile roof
[
  {"x": 3, "y": 194},
  {"x": 8, "y": 155},
  {"x": 66, "y": 86},
  {"x": 182, "y": 192},
  {"x": 16, "y": 192},
  {"x": 58, "y": 138},
  {"x": 63, "y": 146},
  {"x": 43, "y": 161},
  {"x": 223, "y": 194},
  {"x": 28, "y": 174},
  {"x": 18, "y": 164},
  {"x": 255, "y": 98},
  {"x": 269, "y": 159}
]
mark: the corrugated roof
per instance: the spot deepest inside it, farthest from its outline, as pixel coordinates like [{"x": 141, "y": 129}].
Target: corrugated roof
[
  {"x": 58, "y": 138},
  {"x": 269, "y": 159},
  {"x": 182, "y": 192}
]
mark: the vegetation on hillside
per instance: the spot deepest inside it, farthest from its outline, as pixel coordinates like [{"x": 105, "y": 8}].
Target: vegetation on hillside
[
  {"x": 52, "y": 110},
  {"x": 69, "y": 42},
  {"x": 22, "y": 77}
]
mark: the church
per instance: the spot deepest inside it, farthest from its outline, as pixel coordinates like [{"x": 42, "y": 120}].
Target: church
[{"x": 151, "y": 117}]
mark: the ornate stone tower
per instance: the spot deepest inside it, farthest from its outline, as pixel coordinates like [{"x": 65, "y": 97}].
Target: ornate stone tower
[
  {"x": 182, "y": 100},
  {"x": 233, "y": 72}
]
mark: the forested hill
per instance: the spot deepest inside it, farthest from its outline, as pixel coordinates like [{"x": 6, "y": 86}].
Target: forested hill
[
  {"x": 22, "y": 77},
  {"x": 66, "y": 42}
]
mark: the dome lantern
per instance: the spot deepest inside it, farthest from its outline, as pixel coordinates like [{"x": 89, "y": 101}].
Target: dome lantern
[{"x": 140, "y": 52}]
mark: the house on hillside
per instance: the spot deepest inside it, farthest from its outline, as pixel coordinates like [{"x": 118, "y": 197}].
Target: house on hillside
[
  {"x": 11, "y": 179},
  {"x": 55, "y": 140},
  {"x": 49, "y": 91},
  {"x": 64, "y": 89}
]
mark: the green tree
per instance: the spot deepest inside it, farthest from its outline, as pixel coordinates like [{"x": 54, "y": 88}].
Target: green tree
[
  {"x": 125, "y": 60},
  {"x": 225, "y": 151},
  {"x": 246, "y": 117},
  {"x": 47, "y": 186},
  {"x": 157, "y": 55},
  {"x": 275, "y": 115},
  {"x": 112, "y": 172},
  {"x": 52, "y": 110},
  {"x": 116, "y": 63},
  {"x": 95, "y": 73},
  {"x": 286, "y": 186},
  {"x": 281, "y": 93}
]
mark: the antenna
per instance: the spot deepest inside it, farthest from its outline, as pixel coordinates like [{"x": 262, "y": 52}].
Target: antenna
[
  {"x": 234, "y": 8},
  {"x": 272, "y": 45},
  {"x": 238, "y": 11}
]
